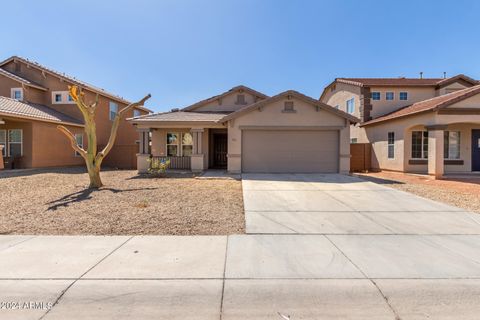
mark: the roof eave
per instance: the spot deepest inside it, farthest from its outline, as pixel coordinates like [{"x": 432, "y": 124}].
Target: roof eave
[{"x": 13, "y": 115}]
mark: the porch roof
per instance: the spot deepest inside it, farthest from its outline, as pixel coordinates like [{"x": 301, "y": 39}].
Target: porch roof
[
  {"x": 432, "y": 104},
  {"x": 25, "y": 110},
  {"x": 179, "y": 116}
]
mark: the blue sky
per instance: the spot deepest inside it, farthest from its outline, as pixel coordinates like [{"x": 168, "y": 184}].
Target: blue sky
[{"x": 182, "y": 51}]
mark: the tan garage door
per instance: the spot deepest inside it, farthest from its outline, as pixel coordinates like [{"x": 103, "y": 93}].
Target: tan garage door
[{"x": 289, "y": 151}]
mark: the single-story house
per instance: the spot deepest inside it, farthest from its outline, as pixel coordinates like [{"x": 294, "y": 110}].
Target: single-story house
[{"x": 243, "y": 130}]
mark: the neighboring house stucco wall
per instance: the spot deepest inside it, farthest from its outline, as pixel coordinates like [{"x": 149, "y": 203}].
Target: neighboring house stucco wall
[
  {"x": 384, "y": 106},
  {"x": 377, "y": 134},
  {"x": 122, "y": 154},
  {"x": 271, "y": 115}
]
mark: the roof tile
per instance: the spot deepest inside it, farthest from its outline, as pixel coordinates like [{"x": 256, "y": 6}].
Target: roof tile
[{"x": 16, "y": 108}]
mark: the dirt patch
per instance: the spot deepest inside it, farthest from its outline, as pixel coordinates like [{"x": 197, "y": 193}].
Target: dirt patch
[
  {"x": 57, "y": 202},
  {"x": 463, "y": 193}
]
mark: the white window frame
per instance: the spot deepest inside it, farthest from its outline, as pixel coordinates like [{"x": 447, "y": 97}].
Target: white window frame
[
  {"x": 392, "y": 145},
  {"x": 12, "y": 93},
  {"x": 64, "y": 97},
  {"x": 387, "y": 93},
  {"x": 179, "y": 137},
  {"x": 400, "y": 96},
  {"x": 352, "y": 100},
  {"x": 110, "y": 104},
  {"x": 10, "y": 143},
  {"x": 4, "y": 142},
  {"x": 78, "y": 135},
  {"x": 181, "y": 143},
  {"x": 447, "y": 133},
  {"x": 423, "y": 156}
]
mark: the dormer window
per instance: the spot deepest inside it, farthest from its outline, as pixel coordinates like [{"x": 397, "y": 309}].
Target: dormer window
[
  {"x": 16, "y": 93},
  {"x": 241, "y": 99},
  {"x": 288, "y": 106}
]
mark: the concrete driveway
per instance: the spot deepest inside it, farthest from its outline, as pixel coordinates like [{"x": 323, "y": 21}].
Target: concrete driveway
[
  {"x": 326, "y": 247},
  {"x": 339, "y": 204}
]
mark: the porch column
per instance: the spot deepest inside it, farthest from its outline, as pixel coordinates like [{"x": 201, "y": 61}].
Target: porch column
[
  {"x": 197, "y": 158},
  {"x": 435, "y": 150},
  {"x": 1, "y": 158},
  {"x": 143, "y": 151}
]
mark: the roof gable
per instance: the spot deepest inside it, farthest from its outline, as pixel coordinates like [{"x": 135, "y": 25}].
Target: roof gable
[
  {"x": 286, "y": 94},
  {"x": 240, "y": 88}
]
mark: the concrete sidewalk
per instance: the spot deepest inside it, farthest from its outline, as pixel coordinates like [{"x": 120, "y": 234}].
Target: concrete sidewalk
[
  {"x": 321, "y": 247},
  {"x": 242, "y": 277}
]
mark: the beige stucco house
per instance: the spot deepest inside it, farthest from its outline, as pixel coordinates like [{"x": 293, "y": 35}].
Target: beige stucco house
[
  {"x": 243, "y": 130},
  {"x": 414, "y": 125}
]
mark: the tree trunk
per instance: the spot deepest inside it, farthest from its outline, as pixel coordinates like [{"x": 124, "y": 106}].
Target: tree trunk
[{"x": 94, "y": 175}]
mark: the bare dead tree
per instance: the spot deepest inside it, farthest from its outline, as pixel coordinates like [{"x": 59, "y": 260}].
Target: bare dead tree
[{"x": 93, "y": 160}]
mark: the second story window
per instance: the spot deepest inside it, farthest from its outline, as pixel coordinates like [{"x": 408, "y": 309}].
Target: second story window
[
  {"x": 375, "y": 95},
  {"x": 113, "y": 110},
  {"x": 136, "y": 113},
  {"x": 389, "y": 95},
  {"x": 351, "y": 106},
  {"x": 61, "y": 97},
  {"x": 403, "y": 95},
  {"x": 17, "y": 93}
]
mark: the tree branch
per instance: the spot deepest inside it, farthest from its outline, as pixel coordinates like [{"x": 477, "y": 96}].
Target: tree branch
[
  {"x": 115, "y": 124},
  {"x": 73, "y": 142}
]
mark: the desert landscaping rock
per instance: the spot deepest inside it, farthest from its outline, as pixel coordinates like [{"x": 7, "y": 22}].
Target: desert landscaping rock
[{"x": 56, "y": 202}]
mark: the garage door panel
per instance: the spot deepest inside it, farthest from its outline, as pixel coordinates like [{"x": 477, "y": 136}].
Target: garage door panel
[{"x": 289, "y": 151}]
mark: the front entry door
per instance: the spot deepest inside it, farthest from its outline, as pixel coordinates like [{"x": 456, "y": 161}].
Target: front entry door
[
  {"x": 220, "y": 150},
  {"x": 476, "y": 150}
]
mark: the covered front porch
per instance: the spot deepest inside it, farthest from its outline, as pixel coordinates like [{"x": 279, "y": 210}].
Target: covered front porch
[
  {"x": 194, "y": 148},
  {"x": 446, "y": 148}
]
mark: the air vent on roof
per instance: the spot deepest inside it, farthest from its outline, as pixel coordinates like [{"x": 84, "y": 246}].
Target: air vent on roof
[{"x": 421, "y": 75}]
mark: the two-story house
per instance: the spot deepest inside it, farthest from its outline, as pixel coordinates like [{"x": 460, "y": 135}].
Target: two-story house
[
  {"x": 414, "y": 124},
  {"x": 34, "y": 100}
]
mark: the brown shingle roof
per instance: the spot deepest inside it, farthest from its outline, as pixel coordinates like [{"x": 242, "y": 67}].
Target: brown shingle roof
[
  {"x": 21, "y": 80},
  {"x": 20, "y": 109},
  {"x": 181, "y": 116},
  {"x": 432, "y": 104},
  {"x": 72, "y": 80}
]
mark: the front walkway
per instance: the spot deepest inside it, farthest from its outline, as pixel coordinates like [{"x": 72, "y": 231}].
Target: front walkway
[{"x": 364, "y": 253}]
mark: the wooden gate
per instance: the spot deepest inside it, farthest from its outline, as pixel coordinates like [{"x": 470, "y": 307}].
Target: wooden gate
[{"x": 361, "y": 158}]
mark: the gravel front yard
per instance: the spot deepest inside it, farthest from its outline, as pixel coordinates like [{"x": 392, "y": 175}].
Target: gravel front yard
[
  {"x": 463, "y": 193},
  {"x": 57, "y": 202}
]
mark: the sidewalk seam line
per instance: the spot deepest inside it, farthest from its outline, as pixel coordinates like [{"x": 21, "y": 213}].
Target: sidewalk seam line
[
  {"x": 223, "y": 279},
  {"x": 385, "y": 298},
  {"x": 75, "y": 281}
]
